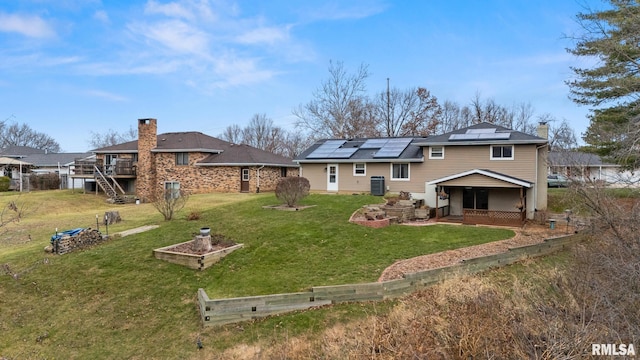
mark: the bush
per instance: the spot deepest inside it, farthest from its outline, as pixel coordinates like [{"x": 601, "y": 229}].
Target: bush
[
  {"x": 291, "y": 190},
  {"x": 4, "y": 183},
  {"x": 44, "y": 182}
]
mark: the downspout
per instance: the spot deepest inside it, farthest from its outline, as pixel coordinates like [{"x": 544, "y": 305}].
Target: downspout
[{"x": 258, "y": 181}]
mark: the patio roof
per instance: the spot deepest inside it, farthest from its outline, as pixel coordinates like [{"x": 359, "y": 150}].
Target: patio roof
[{"x": 473, "y": 177}]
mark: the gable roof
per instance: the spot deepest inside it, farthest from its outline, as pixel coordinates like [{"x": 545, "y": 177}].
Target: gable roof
[
  {"x": 482, "y": 134},
  {"x": 54, "y": 159},
  {"x": 484, "y": 172},
  {"x": 576, "y": 158},
  {"x": 245, "y": 155},
  {"x": 364, "y": 150},
  {"x": 222, "y": 152},
  {"x": 20, "y": 151}
]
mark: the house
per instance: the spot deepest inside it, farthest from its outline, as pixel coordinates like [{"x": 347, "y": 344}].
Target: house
[
  {"x": 40, "y": 161},
  {"x": 61, "y": 164},
  {"x": 190, "y": 161},
  {"x": 587, "y": 167},
  {"x": 484, "y": 170}
]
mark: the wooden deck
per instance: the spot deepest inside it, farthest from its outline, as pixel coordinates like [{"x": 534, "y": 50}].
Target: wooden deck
[{"x": 123, "y": 168}]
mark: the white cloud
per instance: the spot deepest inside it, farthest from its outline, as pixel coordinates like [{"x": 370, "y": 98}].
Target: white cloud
[
  {"x": 27, "y": 25},
  {"x": 174, "y": 35},
  {"x": 106, "y": 95},
  {"x": 264, "y": 35},
  {"x": 347, "y": 10},
  {"x": 173, "y": 9},
  {"x": 101, "y": 16}
]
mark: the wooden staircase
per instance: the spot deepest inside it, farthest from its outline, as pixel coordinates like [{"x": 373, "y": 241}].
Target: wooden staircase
[{"x": 108, "y": 188}]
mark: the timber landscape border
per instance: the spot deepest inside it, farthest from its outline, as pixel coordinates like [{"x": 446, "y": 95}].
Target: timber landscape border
[{"x": 232, "y": 310}]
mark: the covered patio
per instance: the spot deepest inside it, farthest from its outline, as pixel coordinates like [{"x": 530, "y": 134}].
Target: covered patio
[{"x": 482, "y": 197}]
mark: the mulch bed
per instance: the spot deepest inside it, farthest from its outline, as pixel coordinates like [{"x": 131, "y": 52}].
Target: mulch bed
[{"x": 218, "y": 242}]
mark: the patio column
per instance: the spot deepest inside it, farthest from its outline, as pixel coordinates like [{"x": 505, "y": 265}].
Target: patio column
[{"x": 437, "y": 209}]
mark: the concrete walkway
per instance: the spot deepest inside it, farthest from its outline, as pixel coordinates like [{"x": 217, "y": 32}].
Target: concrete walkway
[{"x": 137, "y": 230}]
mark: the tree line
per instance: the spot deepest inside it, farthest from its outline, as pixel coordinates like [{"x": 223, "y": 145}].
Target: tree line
[{"x": 341, "y": 108}]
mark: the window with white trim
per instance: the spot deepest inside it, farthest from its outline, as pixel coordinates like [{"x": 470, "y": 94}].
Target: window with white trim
[
  {"x": 171, "y": 190},
  {"x": 501, "y": 152},
  {"x": 436, "y": 152},
  {"x": 400, "y": 171},
  {"x": 359, "y": 169}
]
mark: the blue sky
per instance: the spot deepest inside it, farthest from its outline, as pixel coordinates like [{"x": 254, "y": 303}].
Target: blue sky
[{"x": 70, "y": 67}]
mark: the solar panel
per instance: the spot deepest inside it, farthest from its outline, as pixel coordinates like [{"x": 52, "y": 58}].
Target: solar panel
[
  {"x": 326, "y": 149},
  {"x": 464, "y": 136},
  {"x": 342, "y": 153},
  {"x": 481, "y": 131},
  {"x": 393, "y": 148},
  {"x": 496, "y": 136},
  {"x": 374, "y": 144}
]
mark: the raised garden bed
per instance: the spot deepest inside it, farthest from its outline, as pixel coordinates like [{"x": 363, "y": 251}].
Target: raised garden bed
[{"x": 182, "y": 253}]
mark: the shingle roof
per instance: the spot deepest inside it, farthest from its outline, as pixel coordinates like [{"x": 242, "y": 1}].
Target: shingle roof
[
  {"x": 576, "y": 158},
  {"x": 20, "y": 151},
  {"x": 245, "y": 155},
  {"x": 222, "y": 152},
  {"x": 54, "y": 159},
  {"x": 411, "y": 153},
  {"x": 515, "y": 137}
]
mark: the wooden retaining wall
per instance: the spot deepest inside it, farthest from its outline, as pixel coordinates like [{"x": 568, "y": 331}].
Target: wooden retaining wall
[{"x": 225, "y": 311}]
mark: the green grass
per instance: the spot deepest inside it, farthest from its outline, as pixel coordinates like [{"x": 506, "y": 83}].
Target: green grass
[{"x": 116, "y": 300}]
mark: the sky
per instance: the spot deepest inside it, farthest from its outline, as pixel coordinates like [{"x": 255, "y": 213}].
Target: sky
[{"x": 69, "y": 68}]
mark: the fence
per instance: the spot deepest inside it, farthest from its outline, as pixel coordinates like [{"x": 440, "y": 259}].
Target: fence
[
  {"x": 493, "y": 217},
  {"x": 225, "y": 311}
]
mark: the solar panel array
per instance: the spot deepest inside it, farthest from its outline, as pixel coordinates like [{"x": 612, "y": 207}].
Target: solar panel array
[
  {"x": 332, "y": 149},
  {"x": 481, "y": 134},
  {"x": 393, "y": 148}
]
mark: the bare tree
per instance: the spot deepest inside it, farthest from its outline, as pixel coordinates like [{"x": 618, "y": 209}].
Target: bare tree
[
  {"x": 22, "y": 135},
  {"x": 336, "y": 105},
  {"x": 112, "y": 137},
  {"x": 170, "y": 202},
  {"x": 262, "y": 134},
  {"x": 561, "y": 137},
  {"x": 232, "y": 134},
  {"x": 414, "y": 112}
]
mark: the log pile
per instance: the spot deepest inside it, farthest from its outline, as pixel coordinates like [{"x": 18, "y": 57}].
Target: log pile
[{"x": 81, "y": 240}]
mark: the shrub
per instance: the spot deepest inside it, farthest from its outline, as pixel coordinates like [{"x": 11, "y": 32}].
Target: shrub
[
  {"x": 4, "y": 183},
  {"x": 44, "y": 181},
  {"x": 291, "y": 190},
  {"x": 171, "y": 202}
]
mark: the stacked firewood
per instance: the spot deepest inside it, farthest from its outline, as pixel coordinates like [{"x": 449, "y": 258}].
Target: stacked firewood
[{"x": 83, "y": 239}]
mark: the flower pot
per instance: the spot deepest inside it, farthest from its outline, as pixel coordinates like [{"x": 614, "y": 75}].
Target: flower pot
[{"x": 205, "y": 231}]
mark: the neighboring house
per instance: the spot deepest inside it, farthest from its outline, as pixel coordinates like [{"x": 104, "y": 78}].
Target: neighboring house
[
  {"x": 478, "y": 173},
  {"x": 62, "y": 164},
  {"x": 587, "y": 167},
  {"x": 190, "y": 161}
]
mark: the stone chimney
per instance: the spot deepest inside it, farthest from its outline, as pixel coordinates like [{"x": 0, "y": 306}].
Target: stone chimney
[
  {"x": 543, "y": 130},
  {"x": 146, "y": 169}
]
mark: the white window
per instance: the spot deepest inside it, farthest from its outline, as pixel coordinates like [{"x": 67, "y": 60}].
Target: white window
[
  {"x": 172, "y": 190},
  {"x": 436, "y": 152},
  {"x": 245, "y": 174},
  {"x": 359, "y": 169},
  {"x": 501, "y": 152},
  {"x": 400, "y": 171}
]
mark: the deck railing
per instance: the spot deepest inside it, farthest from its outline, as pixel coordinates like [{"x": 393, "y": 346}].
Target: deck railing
[
  {"x": 493, "y": 217},
  {"x": 121, "y": 167}
]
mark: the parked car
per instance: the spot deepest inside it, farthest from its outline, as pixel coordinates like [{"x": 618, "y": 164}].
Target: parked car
[{"x": 557, "y": 180}]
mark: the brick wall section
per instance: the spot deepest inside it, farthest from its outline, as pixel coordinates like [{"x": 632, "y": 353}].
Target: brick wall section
[
  {"x": 205, "y": 179},
  {"x": 146, "y": 171}
]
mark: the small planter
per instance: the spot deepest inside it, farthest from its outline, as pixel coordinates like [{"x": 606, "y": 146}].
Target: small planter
[
  {"x": 193, "y": 261},
  {"x": 205, "y": 231}
]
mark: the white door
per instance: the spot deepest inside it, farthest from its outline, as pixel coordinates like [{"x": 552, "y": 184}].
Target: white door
[{"x": 332, "y": 177}]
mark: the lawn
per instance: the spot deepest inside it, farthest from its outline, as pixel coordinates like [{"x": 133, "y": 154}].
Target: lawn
[{"x": 116, "y": 301}]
